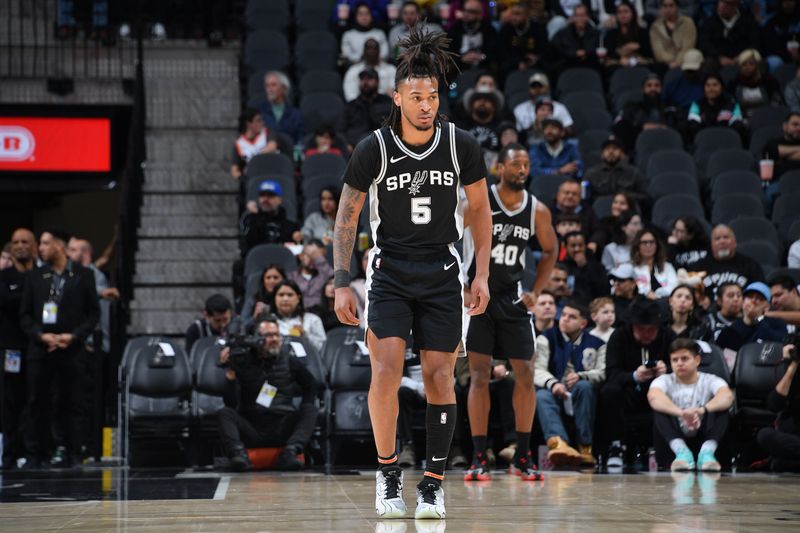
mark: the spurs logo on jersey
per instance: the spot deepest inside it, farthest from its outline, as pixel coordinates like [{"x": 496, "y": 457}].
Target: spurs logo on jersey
[
  {"x": 511, "y": 231},
  {"x": 437, "y": 177}
]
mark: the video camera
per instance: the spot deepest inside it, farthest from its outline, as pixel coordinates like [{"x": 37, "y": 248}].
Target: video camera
[
  {"x": 794, "y": 340},
  {"x": 243, "y": 346}
]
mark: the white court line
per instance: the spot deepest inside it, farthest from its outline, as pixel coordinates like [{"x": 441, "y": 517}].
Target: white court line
[{"x": 222, "y": 488}]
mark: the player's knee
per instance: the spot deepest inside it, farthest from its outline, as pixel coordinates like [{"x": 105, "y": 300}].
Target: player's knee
[
  {"x": 524, "y": 376},
  {"x": 480, "y": 377},
  {"x": 440, "y": 379},
  {"x": 384, "y": 371}
]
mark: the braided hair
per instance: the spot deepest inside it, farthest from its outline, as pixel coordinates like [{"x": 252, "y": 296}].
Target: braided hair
[{"x": 425, "y": 55}]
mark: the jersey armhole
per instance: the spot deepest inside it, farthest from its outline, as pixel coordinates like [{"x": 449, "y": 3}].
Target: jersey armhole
[
  {"x": 453, "y": 152},
  {"x": 534, "y": 202},
  {"x": 382, "y": 150}
]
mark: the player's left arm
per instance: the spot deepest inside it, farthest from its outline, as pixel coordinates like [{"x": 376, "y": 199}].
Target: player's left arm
[
  {"x": 548, "y": 242},
  {"x": 480, "y": 216}
]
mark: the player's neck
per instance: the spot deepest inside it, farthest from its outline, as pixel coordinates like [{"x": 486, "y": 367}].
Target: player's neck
[
  {"x": 511, "y": 198},
  {"x": 414, "y": 137}
]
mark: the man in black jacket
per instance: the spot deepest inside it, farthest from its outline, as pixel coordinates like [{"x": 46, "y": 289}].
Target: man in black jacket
[
  {"x": 726, "y": 33},
  {"x": 474, "y": 38},
  {"x": 635, "y": 355},
  {"x": 59, "y": 311},
  {"x": 589, "y": 275},
  {"x": 14, "y": 342},
  {"x": 366, "y": 112},
  {"x": 259, "y": 410},
  {"x": 782, "y": 442},
  {"x": 268, "y": 224}
]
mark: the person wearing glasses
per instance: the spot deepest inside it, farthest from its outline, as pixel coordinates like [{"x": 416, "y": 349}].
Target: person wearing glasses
[{"x": 655, "y": 276}]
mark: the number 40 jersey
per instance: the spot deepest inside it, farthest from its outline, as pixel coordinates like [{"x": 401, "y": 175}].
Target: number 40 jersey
[{"x": 511, "y": 231}]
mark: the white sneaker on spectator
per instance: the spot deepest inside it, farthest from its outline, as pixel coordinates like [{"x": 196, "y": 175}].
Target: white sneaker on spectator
[
  {"x": 615, "y": 453},
  {"x": 389, "y": 494},
  {"x": 430, "y": 502},
  {"x": 158, "y": 32}
]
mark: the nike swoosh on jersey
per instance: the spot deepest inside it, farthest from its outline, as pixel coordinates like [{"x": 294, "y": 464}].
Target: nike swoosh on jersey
[
  {"x": 434, "y": 458},
  {"x": 395, "y": 160},
  {"x": 447, "y": 267},
  {"x": 496, "y": 213}
]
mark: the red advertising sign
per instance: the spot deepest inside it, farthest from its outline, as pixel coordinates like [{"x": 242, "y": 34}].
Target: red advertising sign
[{"x": 55, "y": 144}]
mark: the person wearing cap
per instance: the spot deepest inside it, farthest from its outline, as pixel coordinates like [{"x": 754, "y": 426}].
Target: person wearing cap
[
  {"x": 681, "y": 91},
  {"x": 522, "y": 40},
  {"x": 725, "y": 264},
  {"x": 539, "y": 91},
  {"x": 636, "y": 354},
  {"x": 484, "y": 108},
  {"x": 555, "y": 155},
  {"x": 672, "y": 34},
  {"x": 623, "y": 291},
  {"x": 754, "y": 325},
  {"x": 59, "y": 311},
  {"x": 371, "y": 66},
  {"x": 366, "y": 112},
  {"x": 576, "y": 45},
  {"x": 727, "y": 32},
  {"x": 267, "y": 222},
  {"x": 614, "y": 173},
  {"x": 474, "y": 38}
]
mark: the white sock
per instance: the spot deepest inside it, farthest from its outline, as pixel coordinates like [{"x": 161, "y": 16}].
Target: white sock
[
  {"x": 710, "y": 445},
  {"x": 676, "y": 445}
]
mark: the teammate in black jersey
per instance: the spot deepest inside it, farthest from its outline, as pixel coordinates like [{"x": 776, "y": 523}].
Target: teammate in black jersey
[
  {"x": 413, "y": 169},
  {"x": 505, "y": 331}
]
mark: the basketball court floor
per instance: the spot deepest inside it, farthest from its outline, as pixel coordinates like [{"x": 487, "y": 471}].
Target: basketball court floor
[{"x": 117, "y": 499}]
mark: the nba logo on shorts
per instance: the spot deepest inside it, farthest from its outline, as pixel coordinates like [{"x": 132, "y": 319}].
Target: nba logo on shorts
[
  {"x": 443, "y": 418},
  {"x": 378, "y": 264}
]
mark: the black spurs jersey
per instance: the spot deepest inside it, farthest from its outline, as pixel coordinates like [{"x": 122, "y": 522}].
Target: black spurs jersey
[
  {"x": 414, "y": 190},
  {"x": 511, "y": 231}
]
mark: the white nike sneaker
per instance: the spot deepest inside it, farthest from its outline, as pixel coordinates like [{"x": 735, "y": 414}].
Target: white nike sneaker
[
  {"x": 389, "y": 494},
  {"x": 430, "y": 502}
]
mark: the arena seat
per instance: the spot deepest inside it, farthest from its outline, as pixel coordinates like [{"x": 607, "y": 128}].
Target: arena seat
[
  {"x": 266, "y": 254},
  {"x": 790, "y": 182},
  {"x": 785, "y": 212},
  {"x": 728, "y": 159},
  {"x": 668, "y": 183},
  {"x": 582, "y": 100},
  {"x": 736, "y": 182},
  {"x": 579, "y": 79},
  {"x": 517, "y": 83},
  {"x": 730, "y": 206},
  {"x": 760, "y": 137},
  {"x": 763, "y": 252},
  {"x": 767, "y": 116},
  {"x": 760, "y": 229},
  {"x": 321, "y": 108},
  {"x": 669, "y": 160},
  {"x": 316, "y": 50},
  {"x": 321, "y": 81},
  {"x": 323, "y": 165},
  {"x": 545, "y": 186},
  {"x": 274, "y": 163},
  {"x": 757, "y": 369},
  {"x": 209, "y": 388},
  {"x": 313, "y": 15},
  {"x": 266, "y": 50},
  {"x": 667, "y": 208},
  {"x": 590, "y": 118},
  {"x": 272, "y": 15},
  {"x": 650, "y": 141}
]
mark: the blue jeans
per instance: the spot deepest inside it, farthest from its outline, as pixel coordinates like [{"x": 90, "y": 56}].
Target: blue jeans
[{"x": 548, "y": 409}]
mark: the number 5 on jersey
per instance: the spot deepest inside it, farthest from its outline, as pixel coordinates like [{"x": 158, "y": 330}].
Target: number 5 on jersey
[{"x": 421, "y": 210}]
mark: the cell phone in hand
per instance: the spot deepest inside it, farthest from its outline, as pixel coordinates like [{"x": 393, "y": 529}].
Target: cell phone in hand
[{"x": 651, "y": 363}]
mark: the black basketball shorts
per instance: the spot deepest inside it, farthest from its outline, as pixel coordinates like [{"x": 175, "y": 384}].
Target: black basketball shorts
[
  {"x": 419, "y": 296},
  {"x": 504, "y": 331}
]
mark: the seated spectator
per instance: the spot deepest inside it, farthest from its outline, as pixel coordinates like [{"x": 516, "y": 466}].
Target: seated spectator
[
  {"x": 672, "y": 34},
  {"x": 606, "y": 13},
  {"x": 620, "y": 202},
  {"x": 484, "y": 110},
  {"x": 556, "y": 155},
  {"x": 754, "y": 325},
  {"x": 312, "y": 272},
  {"x": 690, "y": 405},
  {"x": 558, "y": 286},
  {"x": 715, "y": 108},
  {"x": 648, "y": 113},
  {"x": 751, "y": 88},
  {"x": 785, "y": 151},
  {"x": 565, "y": 223},
  {"x": 263, "y": 303},
  {"x": 255, "y": 139},
  {"x": 370, "y": 64},
  {"x": 410, "y": 15},
  {"x": 725, "y": 264},
  {"x": 570, "y": 366},
  {"x": 779, "y": 32},
  {"x": 535, "y": 134},
  {"x": 603, "y": 316},
  {"x": 793, "y": 258},
  {"x": 791, "y": 93},
  {"x": 576, "y": 45},
  {"x": 266, "y": 222},
  {"x": 623, "y": 292},
  {"x": 784, "y": 300},
  {"x": 683, "y": 318},
  {"x": 474, "y": 38},
  {"x": 366, "y": 112},
  {"x": 324, "y": 142},
  {"x": 539, "y": 90},
  {"x": 293, "y": 319},
  {"x": 561, "y": 12},
  {"x": 728, "y": 308},
  {"x": 655, "y": 276},
  {"x": 628, "y": 43},
  {"x": 522, "y": 41},
  {"x": 544, "y": 312},
  {"x": 255, "y": 418},
  {"x": 325, "y": 308},
  {"x": 618, "y": 251},
  {"x": 688, "y": 242},
  {"x": 6, "y": 259},
  {"x": 277, "y": 112},
  {"x": 568, "y": 201},
  {"x": 378, "y": 8},
  {"x": 217, "y": 315},
  {"x": 687, "y": 88},
  {"x": 725, "y": 34},
  {"x": 636, "y": 354},
  {"x": 782, "y": 442},
  {"x": 590, "y": 279},
  {"x": 614, "y": 173},
  {"x": 363, "y": 29},
  {"x": 319, "y": 224}
]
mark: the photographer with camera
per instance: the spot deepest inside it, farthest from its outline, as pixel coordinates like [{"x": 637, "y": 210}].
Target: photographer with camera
[
  {"x": 263, "y": 378},
  {"x": 782, "y": 442}
]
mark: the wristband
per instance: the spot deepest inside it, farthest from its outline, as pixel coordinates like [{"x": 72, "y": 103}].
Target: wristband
[{"x": 341, "y": 279}]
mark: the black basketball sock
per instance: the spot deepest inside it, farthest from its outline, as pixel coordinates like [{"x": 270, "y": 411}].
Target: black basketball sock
[
  {"x": 478, "y": 444},
  {"x": 388, "y": 464},
  {"x": 523, "y": 444},
  {"x": 440, "y": 423}
]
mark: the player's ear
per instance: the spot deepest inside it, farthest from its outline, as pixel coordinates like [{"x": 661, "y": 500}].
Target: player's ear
[{"x": 396, "y": 98}]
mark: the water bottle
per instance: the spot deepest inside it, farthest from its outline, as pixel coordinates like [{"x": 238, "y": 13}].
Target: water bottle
[{"x": 586, "y": 189}]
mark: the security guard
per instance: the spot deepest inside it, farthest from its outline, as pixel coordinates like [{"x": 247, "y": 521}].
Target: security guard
[{"x": 59, "y": 311}]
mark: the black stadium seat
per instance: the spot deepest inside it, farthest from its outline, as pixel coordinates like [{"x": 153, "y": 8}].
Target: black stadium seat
[
  {"x": 266, "y": 50},
  {"x": 517, "y": 83},
  {"x": 729, "y": 159},
  {"x": 545, "y": 186},
  {"x": 321, "y": 108},
  {"x": 210, "y": 385},
  {"x": 316, "y": 50},
  {"x": 579, "y": 79},
  {"x": 790, "y": 182},
  {"x": 313, "y": 15},
  {"x": 321, "y": 81},
  {"x": 270, "y": 164},
  {"x": 733, "y": 205},
  {"x": 767, "y": 116},
  {"x": 266, "y": 254},
  {"x": 757, "y": 369},
  {"x": 590, "y": 118},
  {"x": 673, "y": 183},
  {"x": 581, "y": 100},
  {"x": 650, "y": 141},
  {"x": 736, "y": 182},
  {"x": 749, "y": 229},
  {"x": 323, "y": 165},
  {"x": 669, "y": 160},
  {"x": 763, "y": 252},
  {"x": 785, "y": 212},
  {"x": 272, "y": 15},
  {"x": 667, "y": 208}
]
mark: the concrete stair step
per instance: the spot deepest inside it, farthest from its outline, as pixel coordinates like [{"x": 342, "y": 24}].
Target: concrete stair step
[
  {"x": 190, "y": 204},
  {"x": 177, "y": 272},
  {"x": 175, "y": 298},
  {"x": 150, "y": 322},
  {"x": 192, "y": 103},
  {"x": 186, "y": 180},
  {"x": 190, "y": 59},
  {"x": 189, "y": 226},
  {"x": 34, "y": 91},
  {"x": 190, "y": 149},
  {"x": 186, "y": 249}
]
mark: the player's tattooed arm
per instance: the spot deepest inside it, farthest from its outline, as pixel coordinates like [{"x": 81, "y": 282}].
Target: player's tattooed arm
[{"x": 344, "y": 231}]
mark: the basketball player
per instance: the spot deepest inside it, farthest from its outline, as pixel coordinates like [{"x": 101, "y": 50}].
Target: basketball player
[
  {"x": 505, "y": 330},
  {"x": 412, "y": 169}
]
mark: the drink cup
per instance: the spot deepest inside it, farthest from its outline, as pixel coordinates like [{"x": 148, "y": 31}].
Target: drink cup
[
  {"x": 343, "y": 11},
  {"x": 601, "y": 52},
  {"x": 766, "y": 166}
]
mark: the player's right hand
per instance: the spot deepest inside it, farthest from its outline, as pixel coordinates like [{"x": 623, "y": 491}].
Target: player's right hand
[
  {"x": 345, "y": 306},
  {"x": 479, "y": 291}
]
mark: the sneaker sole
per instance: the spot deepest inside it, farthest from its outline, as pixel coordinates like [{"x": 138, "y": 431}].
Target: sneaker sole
[
  {"x": 428, "y": 513},
  {"x": 681, "y": 466},
  {"x": 392, "y": 512},
  {"x": 477, "y": 477},
  {"x": 534, "y": 477},
  {"x": 563, "y": 459},
  {"x": 710, "y": 467}
]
